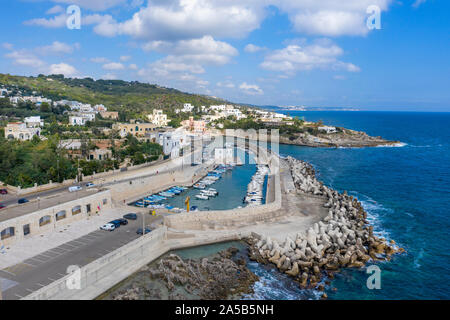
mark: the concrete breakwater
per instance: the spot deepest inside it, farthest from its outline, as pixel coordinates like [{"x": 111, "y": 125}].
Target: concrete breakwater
[{"x": 342, "y": 239}]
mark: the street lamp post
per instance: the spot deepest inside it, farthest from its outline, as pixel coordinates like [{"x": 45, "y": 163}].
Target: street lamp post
[{"x": 143, "y": 223}]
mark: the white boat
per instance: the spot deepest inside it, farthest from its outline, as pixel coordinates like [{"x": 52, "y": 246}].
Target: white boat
[
  {"x": 202, "y": 197},
  {"x": 199, "y": 186}
]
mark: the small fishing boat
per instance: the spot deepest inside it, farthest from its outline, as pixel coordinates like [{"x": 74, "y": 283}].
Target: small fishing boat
[{"x": 202, "y": 197}]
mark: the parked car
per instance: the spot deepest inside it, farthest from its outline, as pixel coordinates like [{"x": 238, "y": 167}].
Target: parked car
[
  {"x": 2, "y": 206},
  {"x": 123, "y": 222},
  {"x": 130, "y": 216},
  {"x": 108, "y": 227},
  {"x": 116, "y": 223},
  {"x": 22, "y": 201},
  {"x": 147, "y": 230},
  {"x": 90, "y": 185},
  {"x": 3, "y": 191},
  {"x": 75, "y": 188}
]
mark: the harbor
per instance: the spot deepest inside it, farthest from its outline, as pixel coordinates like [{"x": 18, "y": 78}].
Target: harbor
[{"x": 226, "y": 186}]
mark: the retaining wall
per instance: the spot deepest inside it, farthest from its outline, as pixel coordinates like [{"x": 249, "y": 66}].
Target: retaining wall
[{"x": 37, "y": 226}]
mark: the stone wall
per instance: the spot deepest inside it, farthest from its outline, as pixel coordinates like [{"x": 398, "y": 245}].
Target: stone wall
[
  {"x": 45, "y": 220},
  {"x": 101, "y": 275}
]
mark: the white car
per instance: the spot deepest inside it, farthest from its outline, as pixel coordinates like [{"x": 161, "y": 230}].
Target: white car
[
  {"x": 75, "y": 188},
  {"x": 90, "y": 185},
  {"x": 108, "y": 227}
]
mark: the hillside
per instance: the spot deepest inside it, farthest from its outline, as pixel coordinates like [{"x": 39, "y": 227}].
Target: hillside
[{"x": 117, "y": 95}]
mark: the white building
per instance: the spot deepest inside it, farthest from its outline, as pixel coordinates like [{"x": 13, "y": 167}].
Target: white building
[
  {"x": 158, "y": 118},
  {"x": 100, "y": 108},
  {"x": 328, "y": 129},
  {"x": 77, "y": 121},
  {"x": 20, "y": 131},
  {"x": 34, "y": 122},
  {"x": 173, "y": 141},
  {"x": 188, "y": 107}
]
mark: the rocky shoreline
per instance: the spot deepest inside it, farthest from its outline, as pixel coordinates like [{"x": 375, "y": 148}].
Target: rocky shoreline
[
  {"x": 344, "y": 139},
  {"x": 222, "y": 276},
  {"x": 343, "y": 239}
]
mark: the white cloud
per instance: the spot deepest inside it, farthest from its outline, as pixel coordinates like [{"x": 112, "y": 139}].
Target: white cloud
[
  {"x": 113, "y": 66},
  {"x": 7, "y": 46},
  {"x": 95, "y": 5},
  {"x": 25, "y": 58},
  {"x": 322, "y": 54},
  {"x": 226, "y": 84},
  {"x": 251, "y": 48},
  {"x": 251, "y": 89},
  {"x": 187, "y": 19},
  {"x": 58, "y": 48},
  {"x": 55, "y": 10},
  {"x": 99, "y": 60},
  {"x": 204, "y": 50},
  {"x": 60, "y": 21},
  {"x": 133, "y": 66},
  {"x": 125, "y": 58},
  {"x": 63, "y": 68},
  {"x": 330, "y": 17}
]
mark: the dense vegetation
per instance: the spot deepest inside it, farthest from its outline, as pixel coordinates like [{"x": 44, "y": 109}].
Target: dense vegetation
[
  {"x": 131, "y": 99},
  {"x": 24, "y": 163}
]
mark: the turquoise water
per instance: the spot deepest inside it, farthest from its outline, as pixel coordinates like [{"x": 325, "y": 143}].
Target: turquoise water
[
  {"x": 232, "y": 189},
  {"x": 405, "y": 190}
]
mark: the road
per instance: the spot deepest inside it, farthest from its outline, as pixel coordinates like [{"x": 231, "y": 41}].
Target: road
[
  {"x": 10, "y": 199},
  {"x": 32, "y": 274}
]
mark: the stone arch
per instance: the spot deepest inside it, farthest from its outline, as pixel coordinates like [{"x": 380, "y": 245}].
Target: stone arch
[{"x": 8, "y": 233}]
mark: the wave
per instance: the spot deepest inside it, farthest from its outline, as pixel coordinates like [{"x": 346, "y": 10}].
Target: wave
[{"x": 394, "y": 145}]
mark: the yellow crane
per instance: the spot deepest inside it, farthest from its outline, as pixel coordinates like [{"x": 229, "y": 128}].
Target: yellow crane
[{"x": 186, "y": 202}]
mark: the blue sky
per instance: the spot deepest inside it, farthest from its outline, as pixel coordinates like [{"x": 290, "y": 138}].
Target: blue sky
[{"x": 317, "y": 53}]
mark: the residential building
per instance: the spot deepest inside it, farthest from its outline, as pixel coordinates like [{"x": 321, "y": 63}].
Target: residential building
[
  {"x": 173, "y": 141},
  {"x": 328, "y": 129},
  {"x": 100, "y": 108},
  {"x": 34, "y": 122},
  {"x": 196, "y": 126},
  {"x": 77, "y": 121},
  {"x": 114, "y": 115},
  {"x": 135, "y": 129},
  {"x": 158, "y": 118},
  {"x": 20, "y": 131}
]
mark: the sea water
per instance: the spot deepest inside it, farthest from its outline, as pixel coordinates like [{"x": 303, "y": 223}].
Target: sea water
[{"x": 406, "y": 192}]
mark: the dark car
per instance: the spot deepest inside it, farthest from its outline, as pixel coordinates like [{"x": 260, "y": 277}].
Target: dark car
[
  {"x": 3, "y": 191},
  {"x": 130, "y": 216},
  {"x": 22, "y": 201},
  {"x": 123, "y": 222},
  {"x": 147, "y": 230},
  {"x": 116, "y": 223},
  {"x": 2, "y": 206}
]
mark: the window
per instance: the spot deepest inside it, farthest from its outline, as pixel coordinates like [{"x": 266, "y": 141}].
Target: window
[
  {"x": 60, "y": 215},
  {"x": 44, "y": 221},
  {"x": 76, "y": 210},
  {"x": 7, "y": 233},
  {"x": 105, "y": 201},
  {"x": 88, "y": 208},
  {"x": 26, "y": 230}
]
